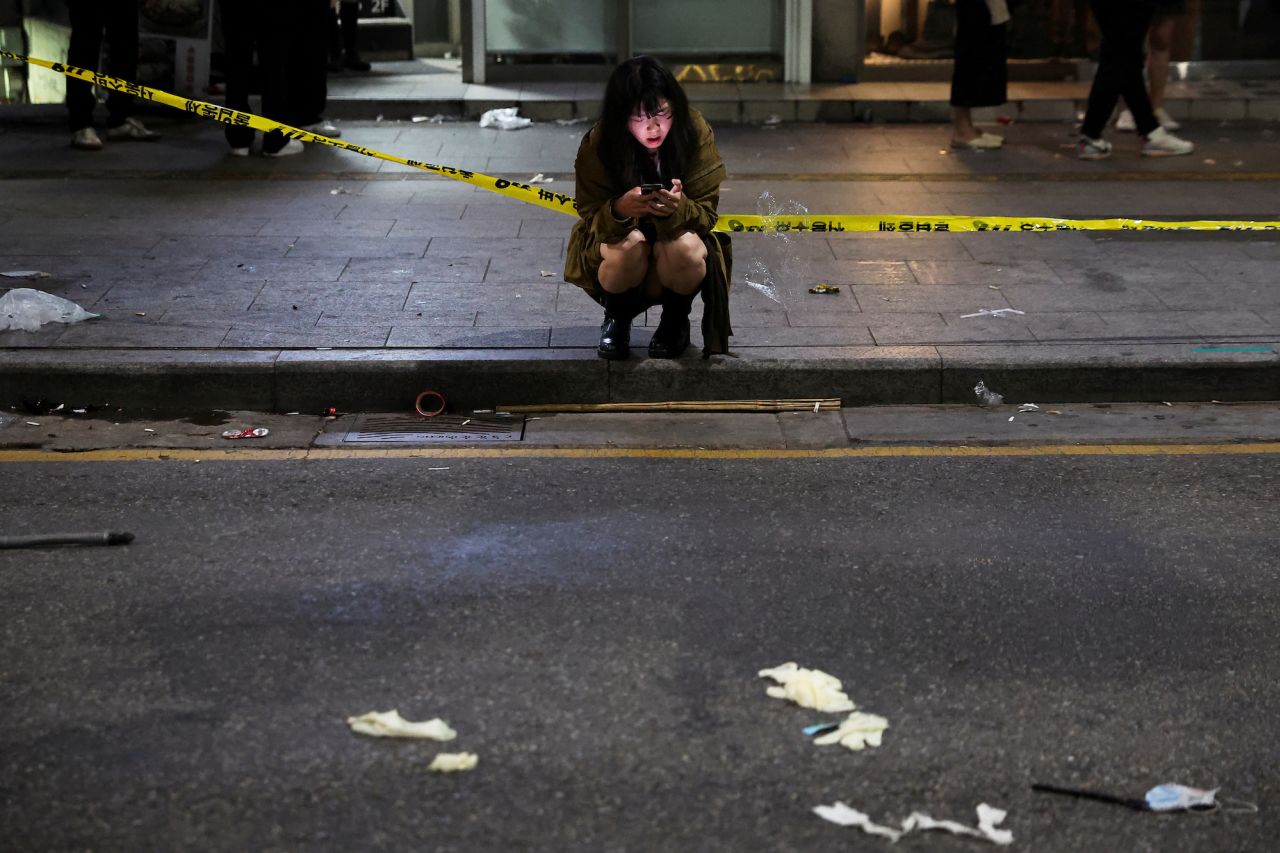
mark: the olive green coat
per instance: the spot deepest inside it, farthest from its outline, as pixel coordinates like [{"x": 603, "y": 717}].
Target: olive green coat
[{"x": 696, "y": 212}]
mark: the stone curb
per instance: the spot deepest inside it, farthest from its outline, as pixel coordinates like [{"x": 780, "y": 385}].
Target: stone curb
[{"x": 182, "y": 381}]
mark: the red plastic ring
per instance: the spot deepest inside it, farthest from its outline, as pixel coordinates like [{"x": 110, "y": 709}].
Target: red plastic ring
[{"x": 417, "y": 404}]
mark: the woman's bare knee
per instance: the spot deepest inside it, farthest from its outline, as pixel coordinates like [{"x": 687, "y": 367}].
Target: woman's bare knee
[
  {"x": 624, "y": 264},
  {"x": 682, "y": 262}
]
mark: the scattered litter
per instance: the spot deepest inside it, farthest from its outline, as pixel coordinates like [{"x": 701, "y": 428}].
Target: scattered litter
[
  {"x": 250, "y": 432},
  {"x": 1238, "y": 163},
  {"x": 546, "y": 273},
  {"x": 1028, "y": 407},
  {"x": 33, "y": 423},
  {"x": 570, "y": 122},
  {"x": 438, "y": 118},
  {"x": 482, "y": 411},
  {"x": 819, "y": 728},
  {"x": 505, "y": 118},
  {"x": 340, "y": 191},
  {"x": 1170, "y": 405},
  {"x": 808, "y": 688},
  {"x": 1168, "y": 797},
  {"x": 437, "y": 469},
  {"x": 990, "y": 312},
  {"x": 331, "y": 411},
  {"x": 139, "y": 313},
  {"x": 989, "y": 819},
  {"x": 773, "y": 119},
  {"x": 450, "y": 762},
  {"x": 817, "y": 404},
  {"x": 858, "y": 731},
  {"x": 379, "y": 118},
  {"x": 1176, "y": 798},
  {"x": 391, "y": 724},
  {"x": 27, "y": 274},
  {"x": 993, "y": 287},
  {"x": 986, "y": 397},
  {"x": 1004, "y": 120},
  {"x": 79, "y": 411},
  {"x": 1011, "y": 417},
  {"x": 45, "y": 540},
  {"x": 147, "y": 429},
  {"x": 759, "y": 277},
  {"x": 434, "y": 405},
  {"x": 27, "y": 309},
  {"x": 824, "y": 288},
  {"x": 1210, "y": 162},
  {"x": 540, "y": 179},
  {"x": 464, "y": 423}
]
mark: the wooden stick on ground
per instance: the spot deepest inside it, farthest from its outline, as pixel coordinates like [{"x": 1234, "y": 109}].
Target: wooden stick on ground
[{"x": 810, "y": 405}]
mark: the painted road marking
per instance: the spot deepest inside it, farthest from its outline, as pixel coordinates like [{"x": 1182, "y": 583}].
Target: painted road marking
[{"x": 885, "y": 452}]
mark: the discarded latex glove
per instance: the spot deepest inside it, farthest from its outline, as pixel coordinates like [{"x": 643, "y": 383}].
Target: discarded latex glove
[
  {"x": 986, "y": 397},
  {"x": 856, "y": 732},
  {"x": 24, "y": 274},
  {"x": 391, "y": 724},
  {"x": 808, "y": 688},
  {"x": 505, "y": 118},
  {"x": 451, "y": 762},
  {"x": 1175, "y": 798},
  {"x": 989, "y": 819},
  {"x": 28, "y": 309}
]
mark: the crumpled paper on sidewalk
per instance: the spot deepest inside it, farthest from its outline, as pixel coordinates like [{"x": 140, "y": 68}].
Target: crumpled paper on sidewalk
[
  {"x": 452, "y": 762},
  {"x": 808, "y": 688},
  {"x": 989, "y": 819},
  {"x": 391, "y": 724},
  {"x": 857, "y": 731},
  {"x": 28, "y": 309},
  {"x": 504, "y": 118}
]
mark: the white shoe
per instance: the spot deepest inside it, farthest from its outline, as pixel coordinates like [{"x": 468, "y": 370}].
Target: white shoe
[
  {"x": 982, "y": 142},
  {"x": 1167, "y": 121},
  {"x": 86, "y": 139},
  {"x": 1093, "y": 149},
  {"x": 1162, "y": 143},
  {"x": 324, "y": 127},
  {"x": 240, "y": 152},
  {"x": 132, "y": 130},
  {"x": 290, "y": 148},
  {"x": 1126, "y": 122}
]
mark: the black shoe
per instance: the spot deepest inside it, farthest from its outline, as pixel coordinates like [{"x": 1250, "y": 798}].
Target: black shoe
[
  {"x": 671, "y": 338},
  {"x": 615, "y": 332},
  {"x": 353, "y": 62}
]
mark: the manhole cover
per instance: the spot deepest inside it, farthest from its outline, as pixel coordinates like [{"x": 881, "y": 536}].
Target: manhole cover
[{"x": 411, "y": 429}]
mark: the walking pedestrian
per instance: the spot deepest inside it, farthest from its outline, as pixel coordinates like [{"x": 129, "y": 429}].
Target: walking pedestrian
[
  {"x": 648, "y": 184},
  {"x": 980, "y": 75},
  {"x": 91, "y": 20},
  {"x": 1124, "y": 25},
  {"x": 309, "y": 66},
  {"x": 249, "y": 26},
  {"x": 1159, "y": 53},
  {"x": 344, "y": 37}
]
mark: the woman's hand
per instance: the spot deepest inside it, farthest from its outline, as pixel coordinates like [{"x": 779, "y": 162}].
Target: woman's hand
[
  {"x": 632, "y": 204},
  {"x": 663, "y": 203}
]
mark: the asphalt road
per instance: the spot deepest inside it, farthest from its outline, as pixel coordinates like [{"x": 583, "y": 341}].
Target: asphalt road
[{"x": 593, "y": 628}]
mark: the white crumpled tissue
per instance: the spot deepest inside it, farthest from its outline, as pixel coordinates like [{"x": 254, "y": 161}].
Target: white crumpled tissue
[
  {"x": 808, "y": 688},
  {"x": 391, "y": 724},
  {"x": 504, "y": 118},
  {"x": 989, "y": 819},
  {"x": 451, "y": 762},
  {"x": 856, "y": 732}
]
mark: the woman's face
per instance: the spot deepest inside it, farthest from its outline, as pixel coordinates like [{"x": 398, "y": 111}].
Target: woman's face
[{"x": 651, "y": 129}]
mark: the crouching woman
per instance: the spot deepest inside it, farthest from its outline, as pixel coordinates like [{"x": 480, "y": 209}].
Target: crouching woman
[{"x": 648, "y": 183}]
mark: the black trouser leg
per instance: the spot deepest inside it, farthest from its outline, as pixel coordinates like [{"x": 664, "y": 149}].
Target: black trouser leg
[
  {"x": 1124, "y": 25},
  {"x": 276, "y": 35},
  {"x": 309, "y": 63},
  {"x": 84, "y": 52},
  {"x": 350, "y": 14},
  {"x": 121, "y": 19},
  {"x": 237, "y": 37}
]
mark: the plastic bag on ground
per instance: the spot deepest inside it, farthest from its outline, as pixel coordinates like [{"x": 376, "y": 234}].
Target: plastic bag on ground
[
  {"x": 505, "y": 118},
  {"x": 391, "y": 724},
  {"x": 27, "y": 309}
]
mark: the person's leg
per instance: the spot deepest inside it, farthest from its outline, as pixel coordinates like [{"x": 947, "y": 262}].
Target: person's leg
[
  {"x": 681, "y": 265},
  {"x": 237, "y": 39},
  {"x": 980, "y": 76},
  {"x": 1160, "y": 43},
  {"x": 121, "y": 19},
  {"x": 1124, "y": 28},
  {"x": 83, "y": 52},
  {"x": 624, "y": 267},
  {"x": 349, "y": 11},
  {"x": 309, "y": 65}
]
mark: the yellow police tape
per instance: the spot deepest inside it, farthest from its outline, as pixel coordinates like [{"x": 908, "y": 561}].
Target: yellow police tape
[{"x": 729, "y": 222}]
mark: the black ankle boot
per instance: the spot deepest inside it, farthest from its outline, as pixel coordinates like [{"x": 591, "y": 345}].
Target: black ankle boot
[
  {"x": 671, "y": 338},
  {"x": 615, "y": 332}
]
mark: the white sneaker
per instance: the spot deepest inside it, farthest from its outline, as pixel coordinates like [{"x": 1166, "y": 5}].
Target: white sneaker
[
  {"x": 1162, "y": 143},
  {"x": 132, "y": 130},
  {"x": 1126, "y": 122},
  {"x": 290, "y": 148},
  {"x": 1167, "y": 121},
  {"x": 324, "y": 127},
  {"x": 1093, "y": 149},
  {"x": 240, "y": 152},
  {"x": 86, "y": 139}
]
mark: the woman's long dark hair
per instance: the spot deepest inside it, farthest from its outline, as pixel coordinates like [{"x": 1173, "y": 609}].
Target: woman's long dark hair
[{"x": 644, "y": 82}]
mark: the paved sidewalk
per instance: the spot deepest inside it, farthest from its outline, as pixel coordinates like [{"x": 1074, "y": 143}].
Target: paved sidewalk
[{"x": 332, "y": 279}]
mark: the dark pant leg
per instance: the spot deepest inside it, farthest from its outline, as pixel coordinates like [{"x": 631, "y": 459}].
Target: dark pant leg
[
  {"x": 122, "y": 54},
  {"x": 981, "y": 72},
  {"x": 1124, "y": 25},
  {"x": 238, "y": 29},
  {"x": 86, "y": 45},
  {"x": 309, "y": 63},
  {"x": 277, "y": 22}
]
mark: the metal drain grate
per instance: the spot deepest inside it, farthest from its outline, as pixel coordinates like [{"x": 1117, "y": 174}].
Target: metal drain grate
[{"x": 411, "y": 429}]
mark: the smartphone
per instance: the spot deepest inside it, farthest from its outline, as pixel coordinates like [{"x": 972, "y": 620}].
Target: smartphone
[{"x": 651, "y": 188}]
